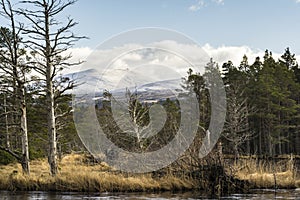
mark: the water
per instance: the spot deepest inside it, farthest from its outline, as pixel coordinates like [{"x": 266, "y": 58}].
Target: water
[{"x": 255, "y": 194}]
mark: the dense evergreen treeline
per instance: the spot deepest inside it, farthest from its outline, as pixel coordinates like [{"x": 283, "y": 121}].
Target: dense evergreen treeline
[{"x": 263, "y": 105}]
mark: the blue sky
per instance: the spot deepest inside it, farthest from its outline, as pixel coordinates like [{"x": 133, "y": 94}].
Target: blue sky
[{"x": 257, "y": 24}]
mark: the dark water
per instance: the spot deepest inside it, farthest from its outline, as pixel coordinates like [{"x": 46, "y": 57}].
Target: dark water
[{"x": 255, "y": 194}]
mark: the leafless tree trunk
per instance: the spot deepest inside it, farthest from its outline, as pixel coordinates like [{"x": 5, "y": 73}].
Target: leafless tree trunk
[
  {"x": 6, "y": 123},
  {"x": 24, "y": 133}
]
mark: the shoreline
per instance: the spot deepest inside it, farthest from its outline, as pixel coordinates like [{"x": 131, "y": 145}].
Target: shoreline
[{"x": 76, "y": 175}]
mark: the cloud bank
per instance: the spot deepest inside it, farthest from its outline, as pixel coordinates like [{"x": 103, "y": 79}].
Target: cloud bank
[{"x": 219, "y": 54}]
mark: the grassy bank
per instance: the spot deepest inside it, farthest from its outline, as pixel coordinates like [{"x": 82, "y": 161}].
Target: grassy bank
[
  {"x": 266, "y": 174},
  {"x": 75, "y": 174}
]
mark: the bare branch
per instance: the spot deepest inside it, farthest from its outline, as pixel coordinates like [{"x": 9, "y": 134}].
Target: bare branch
[{"x": 15, "y": 154}]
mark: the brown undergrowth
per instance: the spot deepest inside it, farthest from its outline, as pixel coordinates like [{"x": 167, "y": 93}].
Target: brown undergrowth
[{"x": 76, "y": 174}]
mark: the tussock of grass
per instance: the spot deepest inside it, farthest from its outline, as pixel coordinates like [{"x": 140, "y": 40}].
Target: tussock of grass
[
  {"x": 263, "y": 174},
  {"x": 76, "y": 175},
  {"x": 269, "y": 180}
]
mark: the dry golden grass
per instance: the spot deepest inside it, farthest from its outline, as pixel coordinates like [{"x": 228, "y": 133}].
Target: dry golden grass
[
  {"x": 76, "y": 175},
  {"x": 263, "y": 174}
]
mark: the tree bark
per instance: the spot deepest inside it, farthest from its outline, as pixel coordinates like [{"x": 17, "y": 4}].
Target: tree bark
[
  {"x": 6, "y": 124},
  {"x": 23, "y": 125},
  {"x": 52, "y": 157},
  {"x": 51, "y": 129}
]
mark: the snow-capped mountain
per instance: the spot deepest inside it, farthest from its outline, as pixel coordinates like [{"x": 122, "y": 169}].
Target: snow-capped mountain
[
  {"x": 155, "y": 91},
  {"x": 91, "y": 82}
]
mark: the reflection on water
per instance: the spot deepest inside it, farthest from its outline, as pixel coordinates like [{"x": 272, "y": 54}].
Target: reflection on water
[{"x": 255, "y": 194}]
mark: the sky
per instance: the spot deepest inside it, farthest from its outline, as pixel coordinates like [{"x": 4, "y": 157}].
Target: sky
[
  {"x": 258, "y": 24},
  {"x": 226, "y": 29}
]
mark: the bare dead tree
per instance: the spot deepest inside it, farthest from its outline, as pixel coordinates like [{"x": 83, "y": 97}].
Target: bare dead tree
[
  {"x": 131, "y": 116},
  {"x": 49, "y": 39},
  {"x": 14, "y": 68},
  {"x": 236, "y": 128}
]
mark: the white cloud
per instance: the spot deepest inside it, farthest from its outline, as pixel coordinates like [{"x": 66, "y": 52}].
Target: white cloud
[
  {"x": 235, "y": 54},
  {"x": 167, "y": 55},
  {"x": 203, "y": 3},
  {"x": 297, "y": 1},
  {"x": 221, "y": 2},
  {"x": 78, "y": 55},
  {"x": 195, "y": 7}
]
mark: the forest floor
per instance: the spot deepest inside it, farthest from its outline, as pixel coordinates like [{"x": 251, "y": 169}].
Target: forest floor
[{"x": 77, "y": 174}]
